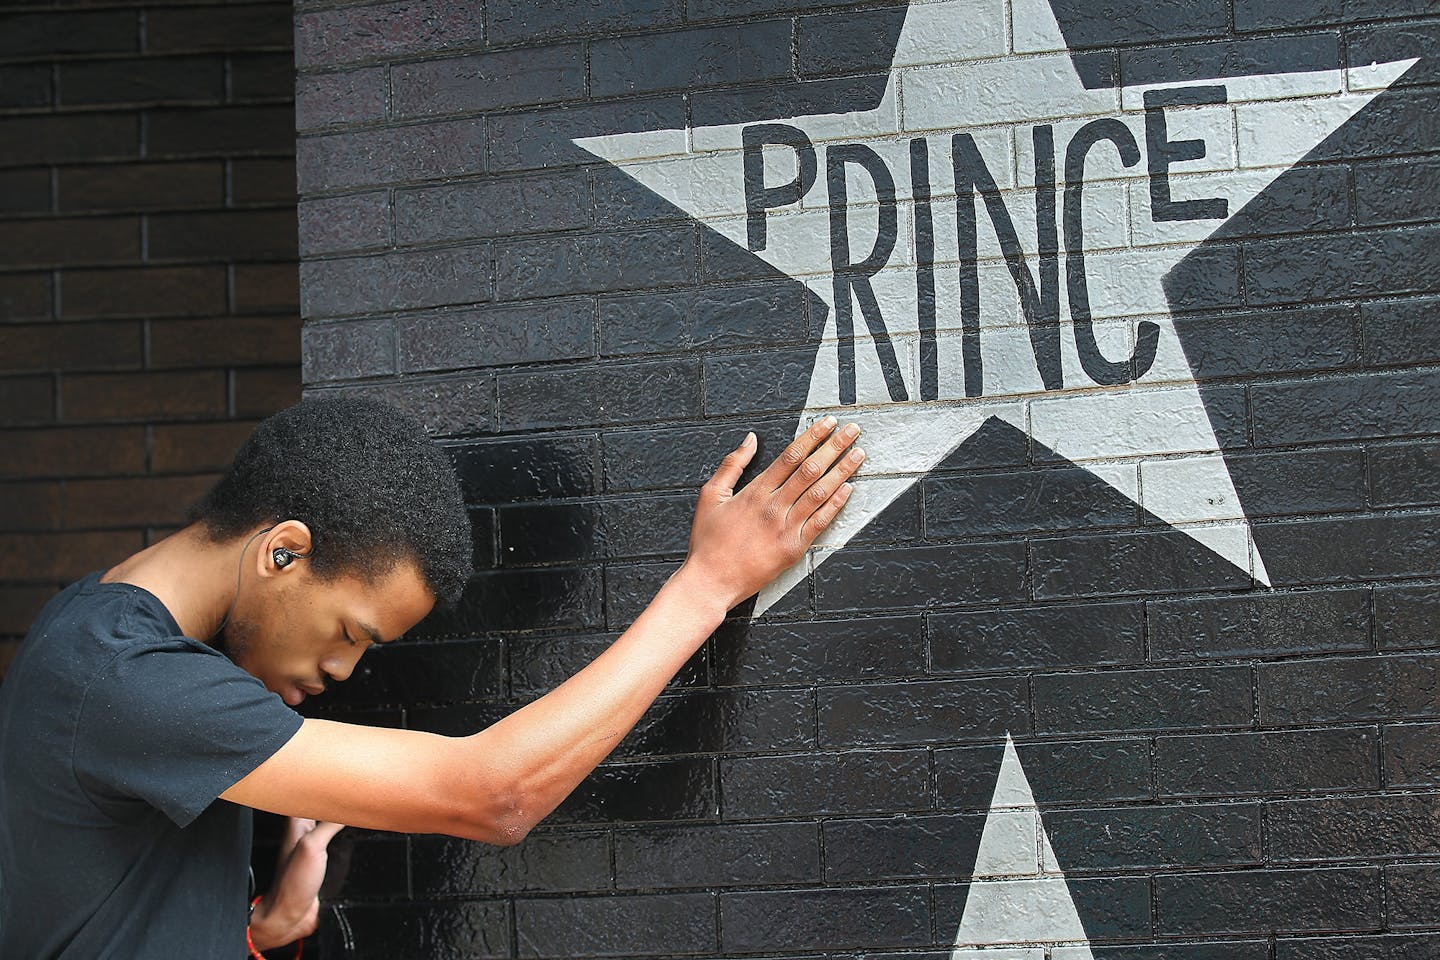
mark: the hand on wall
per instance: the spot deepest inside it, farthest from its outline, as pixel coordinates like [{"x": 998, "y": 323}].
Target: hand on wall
[{"x": 741, "y": 541}]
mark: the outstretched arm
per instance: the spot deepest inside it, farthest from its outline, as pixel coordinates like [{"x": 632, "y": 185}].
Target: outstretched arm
[{"x": 498, "y": 783}]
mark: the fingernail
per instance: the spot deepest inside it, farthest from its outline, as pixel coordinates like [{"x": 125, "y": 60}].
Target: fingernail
[
  {"x": 857, "y": 454},
  {"x": 851, "y": 431},
  {"x": 827, "y": 421},
  {"x": 749, "y": 439}
]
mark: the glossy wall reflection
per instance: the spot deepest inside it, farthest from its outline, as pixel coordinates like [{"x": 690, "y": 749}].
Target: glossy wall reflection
[{"x": 1125, "y": 648}]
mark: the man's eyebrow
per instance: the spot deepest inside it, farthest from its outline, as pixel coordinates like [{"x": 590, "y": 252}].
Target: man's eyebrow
[{"x": 371, "y": 632}]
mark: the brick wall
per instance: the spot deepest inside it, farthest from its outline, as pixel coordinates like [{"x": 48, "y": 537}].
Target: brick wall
[
  {"x": 148, "y": 283},
  {"x": 1126, "y": 638}
]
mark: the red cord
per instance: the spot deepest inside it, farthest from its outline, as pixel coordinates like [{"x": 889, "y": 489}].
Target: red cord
[{"x": 256, "y": 954}]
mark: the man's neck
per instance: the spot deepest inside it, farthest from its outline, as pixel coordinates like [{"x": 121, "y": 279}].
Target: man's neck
[{"x": 192, "y": 575}]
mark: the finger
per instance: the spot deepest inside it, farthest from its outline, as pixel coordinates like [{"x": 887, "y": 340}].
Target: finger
[
  {"x": 728, "y": 474},
  {"x": 823, "y": 517},
  {"x": 815, "y": 465},
  {"x": 780, "y": 469},
  {"x": 818, "y": 494}
]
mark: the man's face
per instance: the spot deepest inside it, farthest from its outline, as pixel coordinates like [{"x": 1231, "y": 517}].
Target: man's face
[{"x": 297, "y": 633}]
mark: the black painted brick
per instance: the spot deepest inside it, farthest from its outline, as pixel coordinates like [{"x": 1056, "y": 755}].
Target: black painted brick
[
  {"x": 478, "y": 929},
  {"x": 721, "y": 855},
  {"x": 521, "y": 21},
  {"x": 1351, "y": 828},
  {"x": 847, "y": 41},
  {"x": 527, "y": 468},
  {"x": 681, "y": 789},
  {"x": 1278, "y": 901},
  {"x": 1262, "y": 14},
  {"x": 1129, "y": 563},
  {"x": 396, "y": 281},
  {"x": 329, "y": 99},
  {"x": 730, "y": 722},
  {"x": 525, "y": 141},
  {"x": 976, "y": 504},
  {"x": 342, "y": 224},
  {"x": 684, "y": 456},
  {"x": 1131, "y": 838},
  {"x": 1349, "y": 689},
  {"x": 499, "y": 335},
  {"x": 1143, "y": 699},
  {"x": 1412, "y": 895},
  {"x": 1010, "y": 639},
  {"x": 1231, "y": 58},
  {"x": 358, "y": 158},
  {"x": 411, "y": 673},
  {"x": 1410, "y": 754},
  {"x": 1407, "y": 616},
  {"x": 1396, "y": 191},
  {"x": 353, "y": 32},
  {"x": 614, "y": 393},
  {"x": 492, "y": 208},
  {"x": 921, "y": 576},
  {"x": 1235, "y": 764},
  {"x": 831, "y": 919},
  {"x": 690, "y": 59},
  {"x": 1401, "y": 331},
  {"x": 629, "y": 588},
  {"x": 697, "y": 319},
  {"x": 768, "y": 382},
  {"x": 1260, "y": 625},
  {"x": 822, "y": 652},
  {"x": 1360, "y": 406},
  {"x": 548, "y": 860},
  {"x": 902, "y": 848},
  {"x": 455, "y": 406},
  {"x": 1373, "y": 263},
  {"x": 489, "y": 81},
  {"x": 549, "y": 533},
  {"x": 525, "y": 599},
  {"x": 594, "y": 263},
  {"x": 1300, "y": 481},
  {"x": 1381, "y": 42},
  {"x": 540, "y": 664},
  {"x": 923, "y": 711},
  {"x": 644, "y": 526},
  {"x": 1407, "y": 947},
  {"x": 1059, "y": 771},
  {"x": 809, "y": 784},
  {"x": 1404, "y": 474},
  {"x": 1217, "y": 950},
  {"x": 1349, "y": 547},
  {"x": 1137, "y": 21}
]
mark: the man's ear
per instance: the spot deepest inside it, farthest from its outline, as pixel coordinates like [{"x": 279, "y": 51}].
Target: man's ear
[{"x": 285, "y": 543}]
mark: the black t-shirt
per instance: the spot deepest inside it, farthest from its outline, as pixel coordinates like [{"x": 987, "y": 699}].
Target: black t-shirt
[{"x": 117, "y": 736}]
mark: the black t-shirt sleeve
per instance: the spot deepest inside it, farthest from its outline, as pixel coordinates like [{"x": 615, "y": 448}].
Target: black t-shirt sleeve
[{"x": 175, "y": 724}]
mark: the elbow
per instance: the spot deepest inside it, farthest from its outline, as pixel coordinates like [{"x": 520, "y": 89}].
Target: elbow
[{"x": 504, "y": 818}]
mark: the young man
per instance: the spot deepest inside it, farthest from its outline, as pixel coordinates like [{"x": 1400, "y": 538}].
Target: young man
[{"x": 150, "y": 706}]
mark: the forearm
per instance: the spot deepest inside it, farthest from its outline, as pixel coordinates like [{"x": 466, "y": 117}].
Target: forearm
[{"x": 553, "y": 744}]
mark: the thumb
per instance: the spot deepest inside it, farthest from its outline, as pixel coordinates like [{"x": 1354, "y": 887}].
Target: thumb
[
  {"x": 734, "y": 464},
  {"x": 325, "y": 831}
]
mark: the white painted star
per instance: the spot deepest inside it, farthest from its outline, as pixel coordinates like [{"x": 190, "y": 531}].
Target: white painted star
[
  {"x": 982, "y": 76},
  {"x": 1019, "y": 902}
]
